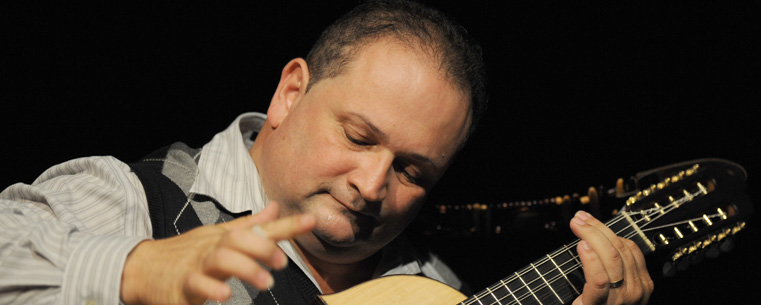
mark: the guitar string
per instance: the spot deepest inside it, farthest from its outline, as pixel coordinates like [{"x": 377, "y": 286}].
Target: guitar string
[
  {"x": 542, "y": 261},
  {"x": 524, "y": 272},
  {"x": 514, "y": 277},
  {"x": 615, "y": 220},
  {"x": 575, "y": 266},
  {"x": 667, "y": 209},
  {"x": 572, "y": 268},
  {"x": 541, "y": 286}
]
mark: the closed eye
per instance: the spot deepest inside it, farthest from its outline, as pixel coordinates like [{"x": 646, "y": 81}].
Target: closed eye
[
  {"x": 358, "y": 142},
  {"x": 401, "y": 168}
]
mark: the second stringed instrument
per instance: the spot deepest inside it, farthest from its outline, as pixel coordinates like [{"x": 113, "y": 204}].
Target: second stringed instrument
[{"x": 678, "y": 209}]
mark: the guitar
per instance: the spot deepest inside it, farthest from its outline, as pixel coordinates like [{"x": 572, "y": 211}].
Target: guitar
[{"x": 680, "y": 210}]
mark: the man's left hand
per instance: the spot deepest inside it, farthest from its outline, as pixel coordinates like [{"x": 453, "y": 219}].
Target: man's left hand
[{"x": 614, "y": 267}]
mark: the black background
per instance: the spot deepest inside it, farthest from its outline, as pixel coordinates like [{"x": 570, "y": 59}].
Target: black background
[{"x": 581, "y": 93}]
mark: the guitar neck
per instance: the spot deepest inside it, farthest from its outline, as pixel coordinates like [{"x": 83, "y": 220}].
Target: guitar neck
[
  {"x": 556, "y": 278},
  {"x": 689, "y": 209}
]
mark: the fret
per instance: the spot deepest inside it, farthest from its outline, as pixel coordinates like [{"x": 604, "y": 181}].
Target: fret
[
  {"x": 576, "y": 258},
  {"x": 510, "y": 292},
  {"x": 551, "y": 285},
  {"x": 529, "y": 288},
  {"x": 487, "y": 297},
  {"x": 546, "y": 283},
  {"x": 519, "y": 289},
  {"x": 493, "y": 296},
  {"x": 556, "y": 278},
  {"x": 563, "y": 274}
]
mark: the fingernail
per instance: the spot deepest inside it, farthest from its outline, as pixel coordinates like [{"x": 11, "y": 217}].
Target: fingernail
[
  {"x": 583, "y": 215},
  {"x": 224, "y": 294},
  {"x": 579, "y": 221},
  {"x": 267, "y": 279},
  {"x": 282, "y": 260},
  {"x": 584, "y": 244},
  {"x": 259, "y": 231}
]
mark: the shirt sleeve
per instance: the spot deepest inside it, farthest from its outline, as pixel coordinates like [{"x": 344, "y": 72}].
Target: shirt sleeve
[{"x": 66, "y": 236}]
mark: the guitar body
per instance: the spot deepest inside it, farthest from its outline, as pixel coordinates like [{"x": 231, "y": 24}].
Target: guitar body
[{"x": 398, "y": 290}]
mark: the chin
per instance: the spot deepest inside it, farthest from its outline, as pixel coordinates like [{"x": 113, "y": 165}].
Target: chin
[
  {"x": 344, "y": 228},
  {"x": 350, "y": 244},
  {"x": 332, "y": 237},
  {"x": 334, "y": 250}
]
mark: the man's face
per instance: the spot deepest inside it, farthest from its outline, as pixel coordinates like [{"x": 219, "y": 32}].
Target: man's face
[{"x": 361, "y": 150}]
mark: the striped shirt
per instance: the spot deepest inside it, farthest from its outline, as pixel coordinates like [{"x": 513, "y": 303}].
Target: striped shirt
[{"x": 65, "y": 237}]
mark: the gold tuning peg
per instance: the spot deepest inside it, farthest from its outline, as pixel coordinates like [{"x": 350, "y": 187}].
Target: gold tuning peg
[
  {"x": 620, "y": 187},
  {"x": 594, "y": 202}
]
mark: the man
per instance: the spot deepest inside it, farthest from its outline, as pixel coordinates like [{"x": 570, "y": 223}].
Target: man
[{"x": 354, "y": 138}]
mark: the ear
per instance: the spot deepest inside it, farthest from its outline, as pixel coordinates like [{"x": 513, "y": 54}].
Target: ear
[{"x": 291, "y": 88}]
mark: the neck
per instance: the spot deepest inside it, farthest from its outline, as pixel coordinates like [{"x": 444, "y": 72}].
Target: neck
[{"x": 336, "y": 277}]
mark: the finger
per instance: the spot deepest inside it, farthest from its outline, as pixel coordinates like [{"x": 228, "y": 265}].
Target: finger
[
  {"x": 632, "y": 287},
  {"x": 253, "y": 246},
  {"x": 611, "y": 258},
  {"x": 270, "y": 212},
  {"x": 224, "y": 263},
  {"x": 286, "y": 228},
  {"x": 597, "y": 284},
  {"x": 644, "y": 275},
  {"x": 620, "y": 243},
  {"x": 199, "y": 287}
]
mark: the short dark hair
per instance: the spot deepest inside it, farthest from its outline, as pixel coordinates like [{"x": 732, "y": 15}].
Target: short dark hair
[{"x": 412, "y": 23}]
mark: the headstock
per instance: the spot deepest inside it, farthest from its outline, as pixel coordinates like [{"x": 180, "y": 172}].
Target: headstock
[{"x": 689, "y": 209}]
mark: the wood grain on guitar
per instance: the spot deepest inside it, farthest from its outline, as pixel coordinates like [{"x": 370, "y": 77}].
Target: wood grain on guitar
[{"x": 396, "y": 289}]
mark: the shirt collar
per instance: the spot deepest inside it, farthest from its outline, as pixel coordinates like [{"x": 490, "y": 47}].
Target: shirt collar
[
  {"x": 228, "y": 174},
  {"x": 226, "y": 171}
]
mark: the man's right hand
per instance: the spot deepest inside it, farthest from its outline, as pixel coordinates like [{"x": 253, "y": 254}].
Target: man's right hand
[{"x": 192, "y": 267}]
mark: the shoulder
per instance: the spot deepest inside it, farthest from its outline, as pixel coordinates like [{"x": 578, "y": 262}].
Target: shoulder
[
  {"x": 97, "y": 166},
  {"x": 89, "y": 183},
  {"x": 88, "y": 172},
  {"x": 99, "y": 194}
]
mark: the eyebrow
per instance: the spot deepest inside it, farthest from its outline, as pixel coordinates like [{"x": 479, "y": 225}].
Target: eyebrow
[{"x": 383, "y": 136}]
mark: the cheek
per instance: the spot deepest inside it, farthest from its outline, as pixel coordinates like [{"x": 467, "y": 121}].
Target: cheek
[
  {"x": 404, "y": 204},
  {"x": 320, "y": 157}
]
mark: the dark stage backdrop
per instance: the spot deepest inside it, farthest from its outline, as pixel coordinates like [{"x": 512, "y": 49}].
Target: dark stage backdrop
[{"x": 581, "y": 94}]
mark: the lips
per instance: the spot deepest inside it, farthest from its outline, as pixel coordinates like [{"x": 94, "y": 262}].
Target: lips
[{"x": 353, "y": 209}]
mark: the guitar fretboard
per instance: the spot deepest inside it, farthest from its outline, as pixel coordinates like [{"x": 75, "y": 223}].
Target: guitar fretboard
[{"x": 556, "y": 278}]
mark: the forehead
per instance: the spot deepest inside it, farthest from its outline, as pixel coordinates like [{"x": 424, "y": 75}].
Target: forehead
[{"x": 406, "y": 95}]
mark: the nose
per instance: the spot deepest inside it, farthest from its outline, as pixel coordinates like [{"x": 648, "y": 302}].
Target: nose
[{"x": 371, "y": 176}]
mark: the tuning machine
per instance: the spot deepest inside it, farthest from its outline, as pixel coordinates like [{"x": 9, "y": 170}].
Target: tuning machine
[
  {"x": 640, "y": 193},
  {"x": 695, "y": 252}
]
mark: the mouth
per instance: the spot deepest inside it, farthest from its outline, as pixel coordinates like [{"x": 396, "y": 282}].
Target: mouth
[
  {"x": 334, "y": 231},
  {"x": 360, "y": 213}
]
